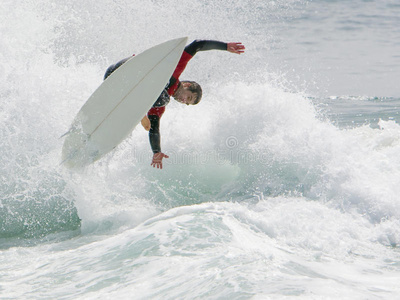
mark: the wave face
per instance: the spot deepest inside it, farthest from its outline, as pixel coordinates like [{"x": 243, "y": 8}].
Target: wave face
[{"x": 282, "y": 182}]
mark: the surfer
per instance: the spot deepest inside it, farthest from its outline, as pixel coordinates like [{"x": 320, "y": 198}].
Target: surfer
[{"x": 185, "y": 92}]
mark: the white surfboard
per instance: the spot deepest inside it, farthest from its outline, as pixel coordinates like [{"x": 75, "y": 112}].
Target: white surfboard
[{"x": 119, "y": 104}]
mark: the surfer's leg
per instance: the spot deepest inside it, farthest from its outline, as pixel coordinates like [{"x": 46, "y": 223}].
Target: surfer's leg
[
  {"x": 109, "y": 71},
  {"x": 112, "y": 68}
]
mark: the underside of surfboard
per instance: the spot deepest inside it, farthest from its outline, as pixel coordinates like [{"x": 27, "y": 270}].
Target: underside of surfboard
[{"x": 119, "y": 103}]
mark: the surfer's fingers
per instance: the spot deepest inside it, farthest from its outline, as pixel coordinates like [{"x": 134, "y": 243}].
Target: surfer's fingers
[{"x": 236, "y": 47}]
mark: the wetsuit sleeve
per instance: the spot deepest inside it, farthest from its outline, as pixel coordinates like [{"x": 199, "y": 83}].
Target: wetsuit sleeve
[
  {"x": 188, "y": 53},
  {"x": 205, "y": 45},
  {"x": 154, "y": 133}
]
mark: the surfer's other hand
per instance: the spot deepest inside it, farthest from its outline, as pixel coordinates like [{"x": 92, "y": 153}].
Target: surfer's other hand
[
  {"x": 157, "y": 160},
  {"x": 237, "y": 48},
  {"x": 146, "y": 123}
]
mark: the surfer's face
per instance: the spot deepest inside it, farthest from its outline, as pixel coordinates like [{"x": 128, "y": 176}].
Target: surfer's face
[{"x": 185, "y": 96}]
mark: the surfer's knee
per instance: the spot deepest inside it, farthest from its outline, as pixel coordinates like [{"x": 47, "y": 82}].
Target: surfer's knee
[{"x": 109, "y": 71}]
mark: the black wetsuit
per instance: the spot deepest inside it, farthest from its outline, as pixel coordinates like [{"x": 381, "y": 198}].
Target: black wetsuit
[{"x": 158, "y": 108}]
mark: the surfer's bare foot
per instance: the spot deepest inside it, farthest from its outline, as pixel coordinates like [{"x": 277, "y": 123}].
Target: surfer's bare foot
[{"x": 146, "y": 123}]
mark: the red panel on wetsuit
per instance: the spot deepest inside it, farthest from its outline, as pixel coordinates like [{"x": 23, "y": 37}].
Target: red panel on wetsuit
[
  {"x": 156, "y": 111},
  {"x": 178, "y": 71}
]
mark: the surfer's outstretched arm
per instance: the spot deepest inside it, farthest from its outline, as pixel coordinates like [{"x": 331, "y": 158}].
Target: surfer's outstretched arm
[
  {"x": 205, "y": 45},
  {"x": 154, "y": 136}
]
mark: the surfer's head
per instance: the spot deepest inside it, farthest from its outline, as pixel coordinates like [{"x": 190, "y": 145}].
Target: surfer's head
[{"x": 188, "y": 92}]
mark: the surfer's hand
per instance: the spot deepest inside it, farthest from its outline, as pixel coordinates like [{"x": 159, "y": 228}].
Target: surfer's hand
[
  {"x": 146, "y": 123},
  {"x": 237, "y": 48},
  {"x": 157, "y": 160}
]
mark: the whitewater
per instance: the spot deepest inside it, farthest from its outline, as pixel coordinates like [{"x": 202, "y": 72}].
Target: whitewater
[{"x": 282, "y": 183}]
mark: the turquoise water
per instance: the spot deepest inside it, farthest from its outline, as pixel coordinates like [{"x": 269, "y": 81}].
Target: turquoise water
[{"x": 282, "y": 183}]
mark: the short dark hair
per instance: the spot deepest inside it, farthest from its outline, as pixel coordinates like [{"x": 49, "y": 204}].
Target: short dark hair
[{"x": 195, "y": 88}]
